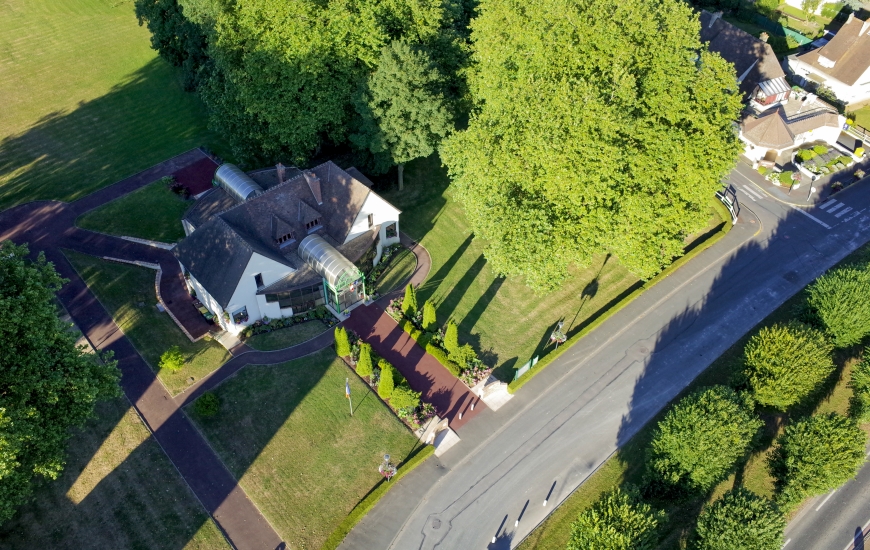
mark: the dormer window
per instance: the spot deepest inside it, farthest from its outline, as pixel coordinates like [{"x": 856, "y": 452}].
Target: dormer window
[
  {"x": 285, "y": 239},
  {"x": 313, "y": 224}
]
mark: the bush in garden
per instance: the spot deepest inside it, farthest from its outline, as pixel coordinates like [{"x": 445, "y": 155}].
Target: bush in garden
[
  {"x": 409, "y": 302},
  {"x": 451, "y": 338},
  {"x": 207, "y": 405},
  {"x": 385, "y": 384},
  {"x": 820, "y": 149},
  {"x": 364, "y": 364},
  {"x": 701, "y": 438},
  {"x": 430, "y": 322},
  {"x": 785, "y": 363},
  {"x": 740, "y": 520},
  {"x": 442, "y": 358},
  {"x": 404, "y": 397},
  {"x": 806, "y": 154},
  {"x": 619, "y": 520},
  {"x": 342, "y": 343},
  {"x": 815, "y": 455},
  {"x": 842, "y": 299},
  {"x": 859, "y": 403},
  {"x": 172, "y": 359}
]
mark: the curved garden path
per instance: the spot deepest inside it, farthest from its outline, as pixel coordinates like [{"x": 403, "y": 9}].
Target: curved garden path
[{"x": 49, "y": 227}]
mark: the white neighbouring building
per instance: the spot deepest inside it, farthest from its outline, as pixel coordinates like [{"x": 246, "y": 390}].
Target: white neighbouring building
[
  {"x": 843, "y": 64},
  {"x": 282, "y": 241}
]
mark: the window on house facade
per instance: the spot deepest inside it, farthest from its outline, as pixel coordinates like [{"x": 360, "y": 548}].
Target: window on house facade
[
  {"x": 285, "y": 239},
  {"x": 312, "y": 224},
  {"x": 300, "y": 299},
  {"x": 371, "y": 220},
  {"x": 241, "y": 316},
  {"x": 258, "y": 278}
]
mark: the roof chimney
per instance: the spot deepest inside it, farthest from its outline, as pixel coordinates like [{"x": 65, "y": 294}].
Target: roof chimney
[
  {"x": 713, "y": 19},
  {"x": 763, "y": 36},
  {"x": 280, "y": 168},
  {"x": 314, "y": 185}
]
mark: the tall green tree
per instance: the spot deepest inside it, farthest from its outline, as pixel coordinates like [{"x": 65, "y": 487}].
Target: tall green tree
[
  {"x": 600, "y": 126},
  {"x": 815, "y": 455},
  {"x": 740, "y": 520},
  {"x": 342, "y": 342},
  {"x": 47, "y": 384},
  {"x": 430, "y": 320},
  {"x": 403, "y": 112},
  {"x": 451, "y": 338},
  {"x": 176, "y": 38},
  {"x": 283, "y": 75},
  {"x": 409, "y": 302},
  {"x": 785, "y": 363},
  {"x": 841, "y": 299},
  {"x": 701, "y": 438},
  {"x": 386, "y": 382},
  {"x": 619, "y": 520},
  {"x": 859, "y": 403},
  {"x": 364, "y": 365}
]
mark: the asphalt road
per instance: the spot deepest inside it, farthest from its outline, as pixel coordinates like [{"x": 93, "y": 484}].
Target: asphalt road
[
  {"x": 569, "y": 419},
  {"x": 837, "y": 521}
]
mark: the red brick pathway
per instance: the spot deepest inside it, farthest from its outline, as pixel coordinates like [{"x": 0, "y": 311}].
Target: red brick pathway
[{"x": 424, "y": 373}]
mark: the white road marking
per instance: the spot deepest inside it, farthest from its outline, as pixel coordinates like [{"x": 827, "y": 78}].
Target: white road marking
[
  {"x": 834, "y": 209},
  {"x": 844, "y": 211},
  {"x": 786, "y": 543},
  {"x": 753, "y": 191},
  {"x": 827, "y": 498},
  {"x": 851, "y": 545},
  {"x": 810, "y": 216},
  {"x": 853, "y": 215},
  {"x": 828, "y": 204},
  {"x": 748, "y": 194}
]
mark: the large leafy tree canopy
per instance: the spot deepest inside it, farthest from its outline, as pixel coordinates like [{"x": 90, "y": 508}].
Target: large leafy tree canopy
[
  {"x": 47, "y": 385},
  {"x": 600, "y": 127},
  {"x": 281, "y": 75},
  {"x": 815, "y": 455},
  {"x": 403, "y": 110},
  {"x": 619, "y": 520},
  {"x": 702, "y": 437},
  {"x": 740, "y": 520}
]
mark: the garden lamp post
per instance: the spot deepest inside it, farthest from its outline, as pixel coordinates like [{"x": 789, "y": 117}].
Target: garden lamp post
[
  {"x": 558, "y": 336},
  {"x": 386, "y": 469}
]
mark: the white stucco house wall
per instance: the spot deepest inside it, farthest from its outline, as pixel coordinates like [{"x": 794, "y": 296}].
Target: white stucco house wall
[
  {"x": 843, "y": 64},
  {"x": 282, "y": 241}
]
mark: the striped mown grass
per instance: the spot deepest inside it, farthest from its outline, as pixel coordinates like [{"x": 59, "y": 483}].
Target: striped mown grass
[{"x": 86, "y": 101}]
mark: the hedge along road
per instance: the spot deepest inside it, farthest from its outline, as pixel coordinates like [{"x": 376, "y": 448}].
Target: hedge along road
[{"x": 574, "y": 414}]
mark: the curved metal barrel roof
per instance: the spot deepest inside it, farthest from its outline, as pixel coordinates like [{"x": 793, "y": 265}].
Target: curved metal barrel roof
[
  {"x": 236, "y": 182},
  {"x": 338, "y": 271}
]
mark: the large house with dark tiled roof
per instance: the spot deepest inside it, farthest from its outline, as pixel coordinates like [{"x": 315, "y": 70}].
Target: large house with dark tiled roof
[{"x": 281, "y": 241}]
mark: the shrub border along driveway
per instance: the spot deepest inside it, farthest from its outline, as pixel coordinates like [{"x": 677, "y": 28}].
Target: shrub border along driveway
[{"x": 698, "y": 247}]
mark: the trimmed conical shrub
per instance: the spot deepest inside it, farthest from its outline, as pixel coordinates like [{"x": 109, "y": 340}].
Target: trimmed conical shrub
[
  {"x": 364, "y": 365},
  {"x": 409, "y": 302},
  {"x": 430, "y": 322},
  {"x": 385, "y": 384},
  {"x": 342, "y": 344}
]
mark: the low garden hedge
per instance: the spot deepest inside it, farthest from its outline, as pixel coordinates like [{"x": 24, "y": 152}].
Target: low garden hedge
[{"x": 423, "y": 340}]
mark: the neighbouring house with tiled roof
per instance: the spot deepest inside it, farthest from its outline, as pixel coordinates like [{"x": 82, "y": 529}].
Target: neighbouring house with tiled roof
[
  {"x": 803, "y": 119},
  {"x": 281, "y": 241},
  {"x": 843, "y": 64},
  {"x": 760, "y": 77}
]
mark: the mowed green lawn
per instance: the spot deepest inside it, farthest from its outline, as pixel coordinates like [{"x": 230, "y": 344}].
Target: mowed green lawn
[
  {"x": 862, "y": 117},
  {"x": 286, "y": 337},
  {"x": 118, "y": 490},
  {"x": 153, "y": 212},
  {"x": 86, "y": 101},
  {"x": 501, "y": 317},
  {"x": 120, "y": 288},
  {"x": 286, "y": 434},
  {"x": 398, "y": 272}
]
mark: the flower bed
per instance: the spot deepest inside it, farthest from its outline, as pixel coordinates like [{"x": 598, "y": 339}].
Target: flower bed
[
  {"x": 268, "y": 325},
  {"x": 387, "y": 256},
  {"x": 463, "y": 362},
  {"x": 821, "y": 161},
  {"x": 413, "y": 412}
]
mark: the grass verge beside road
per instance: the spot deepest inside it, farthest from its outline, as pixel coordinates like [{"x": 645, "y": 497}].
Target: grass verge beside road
[
  {"x": 86, "y": 101},
  {"x": 153, "y": 212},
  {"x": 117, "y": 490},
  {"x": 628, "y": 463},
  {"x": 500, "y": 317},
  {"x": 120, "y": 288},
  {"x": 285, "y": 432}
]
